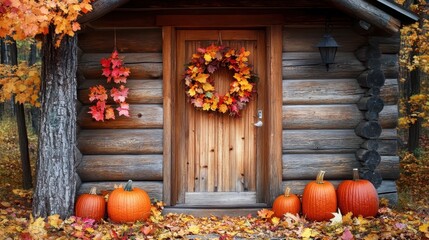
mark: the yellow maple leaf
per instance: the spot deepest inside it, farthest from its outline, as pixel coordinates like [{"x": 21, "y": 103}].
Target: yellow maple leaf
[
  {"x": 275, "y": 221},
  {"x": 36, "y": 228},
  {"x": 194, "y": 229},
  {"x": 55, "y": 221},
  {"x": 192, "y": 92},
  {"x": 424, "y": 228},
  {"x": 347, "y": 219},
  {"x": 208, "y": 87},
  {"x": 223, "y": 108},
  {"x": 207, "y": 57},
  {"x": 202, "y": 77},
  {"x": 206, "y": 106}
]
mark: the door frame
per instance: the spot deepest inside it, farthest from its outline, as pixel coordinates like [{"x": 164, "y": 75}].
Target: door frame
[{"x": 270, "y": 100}]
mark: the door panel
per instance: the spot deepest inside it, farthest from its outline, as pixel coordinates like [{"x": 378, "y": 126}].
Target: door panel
[{"x": 216, "y": 153}]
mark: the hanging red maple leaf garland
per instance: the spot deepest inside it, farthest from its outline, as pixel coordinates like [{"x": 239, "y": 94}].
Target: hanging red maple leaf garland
[{"x": 113, "y": 70}]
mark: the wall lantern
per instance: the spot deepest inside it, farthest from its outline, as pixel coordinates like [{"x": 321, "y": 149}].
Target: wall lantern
[{"x": 327, "y": 47}]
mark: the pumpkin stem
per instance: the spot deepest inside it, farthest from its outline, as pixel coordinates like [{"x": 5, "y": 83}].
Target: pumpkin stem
[
  {"x": 93, "y": 191},
  {"x": 355, "y": 174},
  {"x": 129, "y": 186},
  {"x": 319, "y": 178},
  {"x": 287, "y": 191}
]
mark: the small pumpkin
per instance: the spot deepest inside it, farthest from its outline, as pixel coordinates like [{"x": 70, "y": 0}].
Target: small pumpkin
[
  {"x": 91, "y": 205},
  {"x": 358, "y": 196},
  {"x": 128, "y": 204},
  {"x": 286, "y": 203},
  {"x": 319, "y": 199}
]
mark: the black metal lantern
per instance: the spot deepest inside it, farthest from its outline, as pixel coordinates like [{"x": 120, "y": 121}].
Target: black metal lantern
[{"x": 327, "y": 48}]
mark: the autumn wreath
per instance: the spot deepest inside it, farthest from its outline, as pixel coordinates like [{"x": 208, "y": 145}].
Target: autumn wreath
[{"x": 200, "y": 86}]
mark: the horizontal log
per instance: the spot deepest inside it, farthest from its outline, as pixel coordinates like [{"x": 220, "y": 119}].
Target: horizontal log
[
  {"x": 370, "y": 159},
  {"x": 388, "y": 147},
  {"x": 308, "y": 65},
  {"x": 120, "y": 168},
  {"x": 127, "y": 41},
  {"x": 371, "y": 104},
  {"x": 370, "y": 145},
  {"x": 389, "y": 134},
  {"x": 368, "y": 129},
  {"x": 297, "y": 186},
  {"x": 140, "y": 91},
  {"x": 371, "y": 78},
  {"x": 388, "y": 44},
  {"x": 142, "y": 65},
  {"x": 141, "y": 116},
  {"x": 99, "y": 9},
  {"x": 338, "y": 116},
  {"x": 322, "y": 141},
  {"x": 333, "y": 91},
  {"x": 338, "y": 166},
  {"x": 153, "y": 188},
  {"x": 299, "y": 39},
  {"x": 123, "y": 141}
]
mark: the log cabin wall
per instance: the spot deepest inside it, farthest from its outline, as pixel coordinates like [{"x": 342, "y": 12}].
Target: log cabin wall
[
  {"x": 125, "y": 148},
  {"x": 320, "y": 111}
]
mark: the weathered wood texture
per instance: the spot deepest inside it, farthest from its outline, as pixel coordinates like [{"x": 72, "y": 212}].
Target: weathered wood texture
[
  {"x": 220, "y": 198},
  {"x": 142, "y": 65},
  {"x": 333, "y": 91},
  {"x": 297, "y": 186},
  {"x": 333, "y": 141},
  {"x": 308, "y": 65},
  {"x": 120, "y": 168},
  {"x": 306, "y": 166},
  {"x": 99, "y": 9},
  {"x": 153, "y": 188},
  {"x": 335, "y": 116},
  {"x": 127, "y": 41},
  {"x": 141, "y": 91},
  {"x": 141, "y": 116},
  {"x": 369, "y": 13},
  {"x": 115, "y": 141}
]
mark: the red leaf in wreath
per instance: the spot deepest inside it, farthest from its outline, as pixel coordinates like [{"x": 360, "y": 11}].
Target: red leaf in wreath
[
  {"x": 106, "y": 72},
  {"x": 114, "y": 54},
  {"x": 116, "y": 63}
]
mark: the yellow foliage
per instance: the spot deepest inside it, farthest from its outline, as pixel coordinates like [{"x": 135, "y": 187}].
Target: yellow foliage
[{"x": 20, "y": 81}]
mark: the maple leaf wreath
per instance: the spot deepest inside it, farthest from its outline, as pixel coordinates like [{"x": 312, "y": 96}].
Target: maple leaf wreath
[{"x": 200, "y": 86}]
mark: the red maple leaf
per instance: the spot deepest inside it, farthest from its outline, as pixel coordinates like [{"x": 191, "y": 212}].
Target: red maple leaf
[
  {"x": 106, "y": 72},
  {"x": 123, "y": 109},
  {"x": 116, "y": 63},
  {"x": 110, "y": 114},
  {"x": 114, "y": 54},
  {"x": 119, "y": 95},
  {"x": 96, "y": 113},
  {"x": 105, "y": 62}
]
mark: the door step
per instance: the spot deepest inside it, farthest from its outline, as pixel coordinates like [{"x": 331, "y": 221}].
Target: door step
[{"x": 218, "y": 211}]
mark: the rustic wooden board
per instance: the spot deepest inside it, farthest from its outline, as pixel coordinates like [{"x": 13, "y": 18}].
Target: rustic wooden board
[
  {"x": 328, "y": 141},
  {"x": 134, "y": 41},
  {"x": 220, "y": 198},
  {"x": 140, "y": 91},
  {"x": 120, "y": 141},
  {"x": 333, "y": 91},
  {"x": 338, "y": 116},
  {"x": 141, "y": 65},
  {"x": 388, "y": 147},
  {"x": 120, "y": 168},
  {"x": 297, "y": 186},
  {"x": 141, "y": 116},
  {"x": 308, "y": 65},
  {"x": 153, "y": 188},
  {"x": 306, "y": 166},
  {"x": 300, "y": 39}
]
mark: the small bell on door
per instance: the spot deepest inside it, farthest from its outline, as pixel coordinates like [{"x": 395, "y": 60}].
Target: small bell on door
[{"x": 259, "y": 123}]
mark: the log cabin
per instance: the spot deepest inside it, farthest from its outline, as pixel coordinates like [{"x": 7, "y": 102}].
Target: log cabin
[{"x": 312, "y": 119}]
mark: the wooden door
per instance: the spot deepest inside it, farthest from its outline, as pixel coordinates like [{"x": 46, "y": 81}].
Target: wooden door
[{"x": 215, "y": 155}]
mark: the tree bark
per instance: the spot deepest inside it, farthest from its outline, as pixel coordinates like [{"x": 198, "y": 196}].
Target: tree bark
[
  {"x": 9, "y": 52},
  {"x": 2, "y": 49},
  {"x": 12, "y": 59},
  {"x": 56, "y": 171},
  {"x": 35, "y": 111}
]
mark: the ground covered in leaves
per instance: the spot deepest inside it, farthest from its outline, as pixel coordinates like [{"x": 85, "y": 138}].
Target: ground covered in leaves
[{"x": 408, "y": 220}]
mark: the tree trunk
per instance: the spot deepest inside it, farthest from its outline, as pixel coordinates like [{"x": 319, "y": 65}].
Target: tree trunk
[
  {"x": 2, "y": 49},
  {"x": 35, "y": 111},
  {"x": 12, "y": 59},
  {"x": 56, "y": 171},
  {"x": 9, "y": 52}
]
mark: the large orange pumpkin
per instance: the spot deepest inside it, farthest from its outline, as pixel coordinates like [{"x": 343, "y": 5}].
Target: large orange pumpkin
[
  {"x": 91, "y": 205},
  {"x": 358, "y": 196},
  {"x": 286, "y": 203},
  {"x": 319, "y": 199},
  {"x": 128, "y": 204}
]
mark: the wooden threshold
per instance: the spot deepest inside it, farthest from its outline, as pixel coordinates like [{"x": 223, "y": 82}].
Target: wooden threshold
[
  {"x": 220, "y": 198},
  {"x": 207, "y": 211}
]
